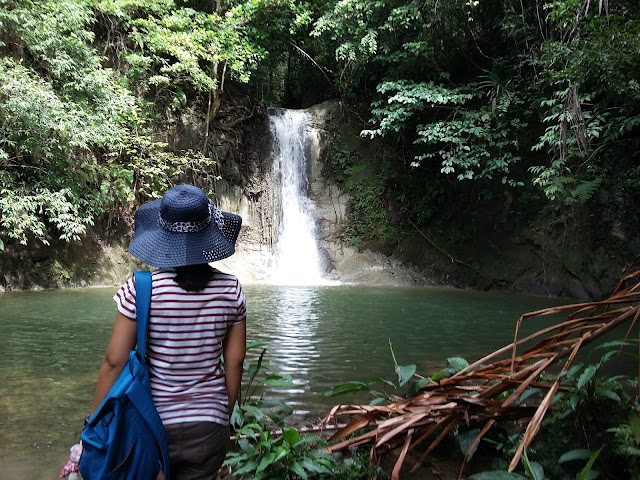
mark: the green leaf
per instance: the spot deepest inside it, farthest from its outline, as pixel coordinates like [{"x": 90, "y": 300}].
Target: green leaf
[
  {"x": 310, "y": 439},
  {"x": 248, "y": 467},
  {"x": 465, "y": 439},
  {"x": 587, "y": 473},
  {"x": 497, "y": 475},
  {"x": 614, "y": 344},
  {"x": 634, "y": 425},
  {"x": 576, "y": 454},
  {"x": 348, "y": 388},
  {"x": 382, "y": 380},
  {"x": 457, "y": 363},
  {"x": 245, "y": 445},
  {"x": 405, "y": 373},
  {"x": 257, "y": 344},
  {"x": 234, "y": 458},
  {"x": 251, "y": 429},
  {"x": 608, "y": 393},
  {"x": 315, "y": 467},
  {"x": 284, "y": 380},
  {"x": 529, "y": 392},
  {"x": 533, "y": 469},
  {"x": 416, "y": 385},
  {"x": 266, "y": 461},
  {"x": 291, "y": 435},
  {"x": 298, "y": 470},
  {"x": 255, "y": 412},
  {"x": 274, "y": 403},
  {"x": 282, "y": 452},
  {"x": 587, "y": 375}
]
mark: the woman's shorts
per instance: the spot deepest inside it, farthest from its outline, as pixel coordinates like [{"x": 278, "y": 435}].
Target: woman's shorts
[{"x": 196, "y": 449}]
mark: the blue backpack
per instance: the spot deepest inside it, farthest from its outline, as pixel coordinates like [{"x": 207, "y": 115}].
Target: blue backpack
[{"x": 124, "y": 439}]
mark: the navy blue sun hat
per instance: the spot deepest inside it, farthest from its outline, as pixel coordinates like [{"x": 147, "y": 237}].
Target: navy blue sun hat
[{"x": 184, "y": 227}]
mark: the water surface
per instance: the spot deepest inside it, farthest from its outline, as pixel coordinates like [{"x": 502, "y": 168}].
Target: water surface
[{"x": 52, "y": 343}]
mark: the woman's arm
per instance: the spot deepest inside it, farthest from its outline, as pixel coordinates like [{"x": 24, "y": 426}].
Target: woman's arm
[
  {"x": 123, "y": 340},
  {"x": 234, "y": 348}
]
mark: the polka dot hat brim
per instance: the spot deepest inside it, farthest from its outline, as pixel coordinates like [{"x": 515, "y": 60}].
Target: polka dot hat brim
[{"x": 183, "y": 228}]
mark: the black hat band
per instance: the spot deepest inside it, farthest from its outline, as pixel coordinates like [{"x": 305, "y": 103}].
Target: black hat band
[{"x": 191, "y": 227}]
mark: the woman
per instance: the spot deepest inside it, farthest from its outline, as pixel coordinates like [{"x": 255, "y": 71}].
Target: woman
[{"x": 197, "y": 315}]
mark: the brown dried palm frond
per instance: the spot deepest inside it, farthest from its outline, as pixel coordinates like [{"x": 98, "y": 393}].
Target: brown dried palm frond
[{"x": 470, "y": 395}]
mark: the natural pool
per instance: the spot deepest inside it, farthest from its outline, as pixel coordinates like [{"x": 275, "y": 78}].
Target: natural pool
[{"x": 52, "y": 343}]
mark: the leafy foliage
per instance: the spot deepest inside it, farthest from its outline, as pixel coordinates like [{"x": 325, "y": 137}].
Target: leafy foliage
[
  {"x": 182, "y": 47},
  {"x": 77, "y": 139},
  {"x": 53, "y": 126},
  {"x": 264, "y": 453},
  {"x": 503, "y": 94},
  {"x": 261, "y": 456}
]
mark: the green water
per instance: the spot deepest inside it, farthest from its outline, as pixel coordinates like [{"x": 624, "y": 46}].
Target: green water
[{"x": 52, "y": 343}]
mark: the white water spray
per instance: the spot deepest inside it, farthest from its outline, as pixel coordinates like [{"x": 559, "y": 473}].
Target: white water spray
[{"x": 297, "y": 259}]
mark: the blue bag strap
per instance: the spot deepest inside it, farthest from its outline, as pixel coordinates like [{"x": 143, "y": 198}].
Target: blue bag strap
[
  {"x": 150, "y": 414},
  {"x": 143, "y": 305},
  {"x": 148, "y": 410}
]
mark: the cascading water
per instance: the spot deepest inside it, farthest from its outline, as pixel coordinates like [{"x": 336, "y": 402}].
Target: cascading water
[{"x": 297, "y": 260}]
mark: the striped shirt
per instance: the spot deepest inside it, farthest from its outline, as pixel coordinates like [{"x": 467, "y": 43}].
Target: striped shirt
[{"x": 184, "y": 344}]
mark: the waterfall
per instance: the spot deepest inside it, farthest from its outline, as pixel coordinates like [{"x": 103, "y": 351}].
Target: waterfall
[{"x": 297, "y": 260}]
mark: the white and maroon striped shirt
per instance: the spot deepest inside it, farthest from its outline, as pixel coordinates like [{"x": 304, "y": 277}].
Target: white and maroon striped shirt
[{"x": 184, "y": 344}]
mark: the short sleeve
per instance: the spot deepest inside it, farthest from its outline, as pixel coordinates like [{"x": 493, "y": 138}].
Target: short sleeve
[
  {"x": 241, "y": 305},
  {"x": 125, "y": 299}
]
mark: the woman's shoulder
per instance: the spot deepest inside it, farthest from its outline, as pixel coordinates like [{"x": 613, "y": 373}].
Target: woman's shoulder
[
  {"x": 219, "y": 275},
  {"x": 163, "y": 273}
]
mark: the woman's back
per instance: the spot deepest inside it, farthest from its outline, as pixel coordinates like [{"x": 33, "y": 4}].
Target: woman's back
[{"x": 184, "y": 349}]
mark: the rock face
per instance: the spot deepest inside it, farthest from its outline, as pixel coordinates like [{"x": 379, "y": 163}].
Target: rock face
[
  {"x": 341, "y": 262},
  {"x": 515, "y": 259}
]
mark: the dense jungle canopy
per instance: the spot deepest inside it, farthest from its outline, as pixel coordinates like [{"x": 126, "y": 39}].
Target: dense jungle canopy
[{"x": 514, "y": 108}]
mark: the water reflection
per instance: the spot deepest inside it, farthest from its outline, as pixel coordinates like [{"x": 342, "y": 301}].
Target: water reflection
[{"x": 294, "y": 345}]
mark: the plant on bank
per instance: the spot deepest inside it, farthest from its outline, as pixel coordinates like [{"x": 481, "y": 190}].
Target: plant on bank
[
  {"x": 265, "y": 455},
  {"x": 265, "y": 449}
]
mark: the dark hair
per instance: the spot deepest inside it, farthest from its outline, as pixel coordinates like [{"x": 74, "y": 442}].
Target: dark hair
[{"x": 194, "y": 278}]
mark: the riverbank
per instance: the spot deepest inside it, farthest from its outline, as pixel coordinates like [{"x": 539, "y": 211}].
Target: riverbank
[{"x": 504, "y": 264}]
